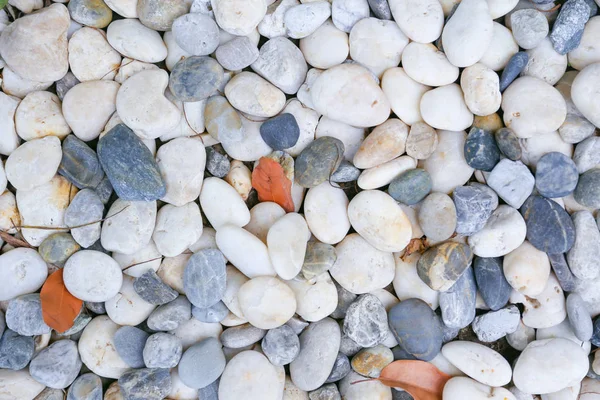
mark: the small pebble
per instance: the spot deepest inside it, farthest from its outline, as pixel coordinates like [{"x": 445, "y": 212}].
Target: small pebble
[
  {"x": 281, "y": 345},
  {"x": 237, "y": 54},
  {"x": 346, "y": 172},
  {"x": 85, "y": 209},
  {"x": 508, "y": 144},
  {"x": 319, "y": 258},
  {"x": 513, "y": 182},
  {"x": 92, "y": 276},
  {"x": 24, "y": 175},
  {"x": 86, "y": 387},
  {"x": 152, "y": 289},
  {"x": 529, "y": 27},
  {"x": 204, "y": 278},
  {"x": 365, "y": 321},
  {"x": 474, "y": 205},
  {"x": 216, "y": 163},
  {"x": 479, "y": 362},
  {"x": 582, "y": 257},
  {"x": 24, "y": 316},
  {"x": 281, "y": 132},
  {"x": 318, "y": 161},
  {"x": 491, "y": 282},
  {"x": 195, "y": 78},
  {"x": 411, "y": 186},
  {"x": 202, "y": 363},
  {"x": 380, "y": 9},
  {"x": 162, "y": 350},
  {"x": 15, "y": 350},
  {"x": 241, "y": 336},
  {"x": 303, "y": 19},
  {"x": 515, "y": 66},
  {"x": 145, "y": 384},
  {"x": 442, "y": 265},
  {"x": 563, "y": 273},
  {"x": 580, "y": 319},
  {"x": 587, "y": 192},
  {"x": 57, "y": 365},
  {"x": 494, "y": 325},
  {"x": 90, "y": 13},
  {"x": 370, "y": 362},
  {"x": 549, "y": 227},
  {"x": 437, "y": 217},
  {"x": 422, "y": 141},
  {"x": 481, "y": 151}
]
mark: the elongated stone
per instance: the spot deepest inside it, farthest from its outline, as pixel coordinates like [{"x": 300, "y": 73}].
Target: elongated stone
[
  {"x": 442, "y": 265},
  {"x": 145, "y": 384},
  {"x": 204, "y": 278},
  {"x": 492, "y": 285},
  {"x": 584, "y": 255},
  {"x": 241, "y": 336},
  {"x": 549, "y": 227},
  {"x": 458, "y": 302},
  {"x": 80, "y": 164},
  {"x": 566, "y": 279},
  {"x": 481, "y": 151},
  {"x": 152, "y": 289},
  {"x": 169, "y": 316}
]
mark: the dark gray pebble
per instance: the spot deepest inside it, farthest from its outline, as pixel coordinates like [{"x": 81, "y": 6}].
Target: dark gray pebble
[
  {"x": 216, "y": 163},
  {"x": 281, "y": 345},
  {"x": 579, "y": 317},
  {"x": 15, "y": 350},
  {"x": 146, "y": 384},
  {"x": 515, "y": 66},
  {"x": 325, "y": 392},
  {"x": 2, "y": 323},
  {"x": 381, "y": 9},
  {"x": 442, "y": 265},
  {"x": 202, "y": 363},
  {"x": 568, "y": 27},
  {"x": 587, "y": 192},
  {"x": 80, "y": 164},
  {"x": 86, "y": 387},
  {"x": 195, "y": 78},
  {"x": 549, "y": 227},
  {"x": 57, "y": 248},
  {"x": 458, "y": 303},
  {"x": 318, "y": 161},
  {"x": 129, "y": 342},
  {"x": 210, "y": 392},
  {"x": 555, "y": 175},
  {"x": 204, "y": 278},
  {"x": 162, "y": 350},
  {"x": 319, "y": 258},
  {"x": 346, "y": 172},
  {"x": 565, "y": 277},
  {"x": 411, "y": 186},
  {"x": 491, "y": 282},
  {"x": 508, "y": 143},
  {"x": 481, "y": 151},
  {"x": 57, "y": 365},
  {"x": 474, "y": 205},
  {"x": 280, "y": 132},
  {"x": 168, "y": 316},
  {"x": 130, "y": 166},
  {"x": 366, "y": 321},
  {"x": 340, "y": 369},
  {"x": 24, "y": 315},
  {"x": 414, "y": 325},
  {"x": 215, "y": 313},
  {"x": 152, "y": 289},
  {"x": 104, "y": 190},
  {"x": 241, "y": 336}
]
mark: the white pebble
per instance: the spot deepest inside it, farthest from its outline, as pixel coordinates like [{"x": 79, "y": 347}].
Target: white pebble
[
  {"x": 421, "y": 21},
  {"x": 385, "y": 173},
  {"x": 40, "y": 114},
  {"x": 239, "y": 17},
  {"x": 326, "y": 47},
  {"x": 503, "y": 232},
  {"x": 545, "y": 63},
  {"x": 127, "y": 307},
  {"x": 584, "y": 93},
  {"x": 97, "y": 348},
  {"x": 404, "y": 94},
  {"x": 177, "y": 228},
  {"x": 25, "y": 270},
  {"x": 222, "y": 204},
  {"x": 91, "y": 275},
  {"x": 134, "y": 40},
  {"x": 425, "y": 64},
  {"x": 266, "y": 302},
  {"x": 34, "y": 163},
  {"x": 445, "y": 108},
  {"x": 315, "y": 299},
  {"x": 407, "y": 283},
  {"x": 479, "y": 362},
  {"x": 325, "y": 208},
  {"x": 303, "y": 19},
  {"x": 481, "y": 87},
  {"x": 244, "y": 250},
  {"x": 131, "y": 229},
  {"x": 91, "y": 57},
  {"x": 286, "y": 242},
  {"x": 501, "y": 49},
  {"x": 252, "y": 94}
]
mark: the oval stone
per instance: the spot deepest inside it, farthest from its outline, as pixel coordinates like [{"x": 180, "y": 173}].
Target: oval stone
[
  {"x": 281, "y": 345},
  {"x": 15, "y": 350},
  {"x": 260, "y": 378},
  {"x": 145, "y": 384},
  {"x": 202, "y": 363},
  {"x": 508, "y": 143},
  {"x": 129, "y": 343},
  {"x": 24, "y": 316},
  {"x": 442, "y": 265},
  {"x": 25, "y": 269},
  {"x": 87, "y": 387},
  {"x": 189, "y": 27},
  {"x": 280, "y": 132},
  {"x": 195, "y": 78},
  {"x": 549, "y": 227},
  {"x": 493, "y": 286},
  {"x": 98, "y": 351},
  {"x": 479, "y": 362},
  {"x": 481, "y": 151},
  {"x": 318, "y": 161},
  {"x": 584, "y": 254},
  {"x": 57, "y": 365},
  {"x": 326, "y": 213},
  {"x": 411, "y": 186},
  {"x": 555, "y": 175},
  {"x": 458, "y": 303},
  {"x": 266, "y": 302},
  {"x": 437, "y": 217},
  {"x": 92, "y": 276},
  {"x": 504, "y": 231},
  {"x": 474, "y": 205},
  {"x": 58, "y": 247},
  {"x": 204, "y": 278}
]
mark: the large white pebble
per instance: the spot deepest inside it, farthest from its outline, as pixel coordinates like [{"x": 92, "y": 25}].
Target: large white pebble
[
  {"x": 92, "y": 275},
  {"x": 91, "y": 57},
  {"x": 25, "y": 270},
  {"x": 262, "y": 217},
  {"x": 585, "y": 93},
  {"x": 286, "y": 242},
  {"x": 136, "y": 264},
  {"x": 404, "y": 94},
  {"x": 545, "y": 63},
  {"x": 503, "y": 232},
  {"x": 9, "y": 140},
  {"x": 427, "y": 65},
  {"x": 19, "y": 384},
  {"x": 349, "y": 93},
  {"x": 171, "y": 271},
  {"x": 437, "y": 217},
  {"x": 385, "y": 173},
  {"x": 127, "y": 307},
  {"x": 134, "y": 40},
  {"x": 550, "y": 365},
  {"x": 502, "y": 47},
  {"x": 252, "y": 94},
  {"x": 222, "y": 204},
  {"x": 481, "y": 87},
  {"x": 407, "y": 283},
  {"x": 315, "y": 299},
  {"x": 461, "y": 387},
  {"x": 40, "y": 114},
  {"x": 97, "y": 348},
  {"x": 588, "y": 51},
  {"x": 250, "y": 376},
  {"x": 544, "y": 310},
  {"x": 479, "y": 362},
  {"x": 468, "y": 33},
  {"x": 377, "y": 217},
  {"x": 420, "y": 20},
  {"x": 444, "y": 108},
  {"x": 361, "y": 268},
  {"x": 527, "y": 269},
  {"x": 15, "y": 85},
  {"x": 531, "y": 106},
  {"x": 266, "y": 302},
  {"x": 193, "y": 331},
  {"x": 177, "y": 228},
  {"x": 244, "y": 250},
  {"x": 272, "y": 25},
  {"x": 326, "y": 47},
  {"x": 129, "y": 227},
  {"x": 325, "y": 208},
  {"x": 34, "y": 163},
  {"x": 535, "y": 147},
  {"x": 239, "y": 17}
]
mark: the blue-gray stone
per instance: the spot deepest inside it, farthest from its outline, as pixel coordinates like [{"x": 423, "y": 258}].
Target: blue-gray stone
[
  {"x": 318, "y": 161},
  {"x": 587, "y": 154},
  {"x": 57, "y": 248},
  {"x": 96, "y": 307},
  {"x": 162, "y": 350},
  {"x": 556, "y": 175},
  {"x": 366, "y": 321},
  {"x": 495, "y": 325},
  {"x": 297, "y": 324},
  {"x": 458, "y": 303},
  {"x": 596, "y": 332},
  {"x": 348, "y": 346},
  {"x": 563, "y": 273},
  {"x": 488, "y": 190},
  {"x": 80, "y": 163},
  {"x": 491, "y": 282},
  {"x": 152, "y": 289},
  {"x": 210, "y": 392},
  {"x": 568, "y": 28},
  {"x": 401, "y": 354},
  {"x": 15, "y": 350},
  {"x": 130, "y": 166},
  {"x": 474, "y": 205},
  {"x": 593, "y": 7},
  {"x": 168, "y": 316},
  {"x": 64, "y": 84},
  {"x": 508, "y": 143},
  {"x": 326, "y": 392},
  {"x": 319, "y": 258},
  {"x": 129, "y": 342},
  {"x": 241, "y": 336},
  {"x": 280, "y": 132},
  {"x": 202, "y": 363},
  {"x": 415, "y": 326},
  {"x": 216, "y": 163},
  {"x": 86, "y": 387},
  {"x": 411, "y": 186},
  {"x": 204, "y": 278},
  {"x": 341, "y": 368},
  {"x": 215, "y": 313},
  {"x": 345, "y": 298},
  {"x": 281, "y": 345},
  {"x": 579, "y": 317},
  {"x": 585, "y": 253},
  {"x": 104, "y": 190},
  {"x": 549, "y": 227},
  {"x": 24, "y": 315},
  {"x": 346, "y": 172},
  {"x": 587, "y": 192},
  {"x": 85, "y": 208},
  {"x": 448, "y": 334},
  {"x": 145, "y": 384},
  {"x": 380, "y": 9},
  {"x": 57, "y": 365},
  {"x": 441, "y": 265},
  {"x": 515, "y": 66},
  {"x": 481, "y": 151},
  {"x": 195, "y": 78}
]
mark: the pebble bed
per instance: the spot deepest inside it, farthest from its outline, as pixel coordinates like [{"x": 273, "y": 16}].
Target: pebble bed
[{"x": 444, "y": 167}]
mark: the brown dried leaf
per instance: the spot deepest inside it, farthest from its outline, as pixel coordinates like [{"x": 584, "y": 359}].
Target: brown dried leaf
[
  {"x": 271, "y": 184},
  {"x": 59, "y": 307},
  {"x": 414, "y": 246},
  {"x": 13, "y": 241}
]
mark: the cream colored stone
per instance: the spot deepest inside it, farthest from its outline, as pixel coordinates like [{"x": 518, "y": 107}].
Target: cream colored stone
[
  {"x": 14, "y": 85},
  {"x": 386, "y": 142},
  {"x": 177, "y": 228},
  {"x": 445, "y": 108},
  {"x": 130, "y": 67},
  {"x": 425, "y": 64},
  {"x": 385, "y": 173},
  {"x": 97, "y": 349},
  {"x": 39, "y": 115},
  {"x": 250, "y": 93},
  {"x": 325, "y": 209},
  {"x": 9, "y": 140},
  {"x": 502, "y": 47},
  {"x": 222, "y": 205},
  {"x": 481, "y": 88},
  {"x": 239, "y": 17},
  {"x": 527, "y": 269},
  {"x": 503, "y": 233},
  {"x": 171, "y": 271},
  {"x": 421, "y": 21},
  {"x": 585, "y": 93},
  {"x": 407, "y": 283},
  {"x": 266, "y": 302},
  {"x": 127, "y": 307},
  {"x": 245, "y": 251},
  {"x": 588, "y": 51},
  {"x": 91, "y": 57},
  {"x": 326, "y": 47},
  {"x": 9, "y": 213},
  {"x": 286, "y": 243},
  {"x": 134, "y": 40},
  {"x": 545, "y": 63},
  {"x": 316, "y": 299},
  {"x": 125, "y": 8},
  {"x": 404, "y": 94},
  {"x": 131, "y": 229}
]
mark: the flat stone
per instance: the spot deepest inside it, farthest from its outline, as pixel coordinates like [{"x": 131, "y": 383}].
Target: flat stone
[
  {"x": 474, "y": 205},
  {"x": 24, "y": 316},
  {"x": 346, "y": 172},
  {"x": 513, "y": 182},
  {"x": 23, "y": 174},
  {"x": 579, "y": 317},
  {"x": 86, "y": 387},
  {"x": 458, "y": 303},
  {"x": 195, "y": 78},
  {"x": 145, "y": 384},
  {"x": 237, "y": 54},
  {"x": 15, "y": 350},
  {"x": 241, "y": 336},
  {"x": 479, "y": 362},
  {"x": 582, "y": 257},
  {"x": 129, "y": 343},
  {"x": 130, "y": 166},
  {"x": 152, "y": 289},
  {"x": 57, "y": 365},
  {"x": 119, "y": 235},
  {"x": 281, "y": 345},
  {"x": 492, "y": 285},
  {"x": 204, "y": 278},
  {"x": 85, "y": 208},
  {"x": 411, "y": 186},
  {"x": 437, "y": 217},
  {"x": 202, "y": 363},
  {"x": 318, "y": 161},
  {"x": 162, "y": 350},
  {"x": 494, "y": 325},
  {"x": 563, "y": 273},
  {"x": 442, "y": 265},
  {"x": 568, "y": 28},
  {"x": 365, "y": 321},
  {"x": 587, "y": 192},
  {"x": 549, "y": 227},
  {"x": 370, "y": 362},
  {"x": 90, "y": 13},
  {"x": 57, "y": 248},
  {"x": 481, "y": 151},
  {"x": 555, "y": 175},
  {"x": 169, "y": 316},
  {"x": 215, "y": 313}
]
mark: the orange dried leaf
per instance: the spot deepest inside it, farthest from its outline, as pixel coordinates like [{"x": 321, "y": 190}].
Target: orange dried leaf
[
  {"x": 269, "y": 180},
  {"x": 59, "y": 307}
]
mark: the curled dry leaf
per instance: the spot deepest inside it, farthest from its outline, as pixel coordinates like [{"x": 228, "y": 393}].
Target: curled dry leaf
[
  {"x": 59, "y": 307},
  {"x": 419, "y": 378},
  {"x": 271, "y": 183}
]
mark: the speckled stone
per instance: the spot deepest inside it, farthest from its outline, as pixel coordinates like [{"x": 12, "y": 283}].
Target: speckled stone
[
  {"x": 481, "y": 151},
  {"x": 568, "y": 27},
  {"x": 366, "y": 321},
  {"x": 513, "y": 182},
  {"x": 416, "y": 328},
  {"x": 94, "y": 13},
  {"x": 474, "y": 205},
  {"x": 57, "y": 365},
  {"x": 449, "y": 334},
  {"x": 215, "y": 313},
  {"x": 130, "y": 166},
  {"x": 216, "y": 163},
  {"x": 458, "y": 303},
  {"x": 280, "y": 132},
  {"x": 555, "y": 175},
  {"x": 281, "y": 345},
  {"x": 370, "y": 362},
  {"x": 345, "y": 298},
  {"x": 86, "y": 207},
  {"x": 86, "y": 387},
  {"x": 204, "y": 278},
  {"x": 237, "y": 54},
  {"x": 189, "y": 27},
  {"x": 340, "y": 369},
  {"x": 411, "y": 186},
  {"x": 318, "y": 161},
  {"x": 348, "y": 346},
  {"x": 442, "y": 265},
  {"x": 319, "y": 258},
  {"x": 508, "y": 143},
  {"x": 241, "y": 336},
  {"x": 162, "y": 350},
  {"x": 169, "y": 316},
  {"x": 195, "y": 78},
  {"x": 346, "y": 172},
  {"x": 549, "y": 227},
  {"x": 583, "y": 256},
  {"x": 80, "y": 164},
  {"x": 202, "y": 363},
  {"x": 15, "y": 350},
  {"x": 325, "y": 392},
  {"x": 57, "y": 248},
  {"x": 146, "y": 384},
  {"x": 380, "y": 9},
  {"x": 129, "y": 343},
  {"x": 152, "y": 289},
  {"x": 24, "y": 315},
  {"x": 492, "y": 285},
  {"x": 579, "y": 317},
  {"x": 587, "y": 192},
  {"x": 494, "y": 325},
  {"x": 515, "y": 66}
]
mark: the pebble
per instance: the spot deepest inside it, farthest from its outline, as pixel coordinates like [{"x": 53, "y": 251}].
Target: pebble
[
  {"x": 515, "y": 66},
  {"x": 445, "y": 108},
  {"x": 587, "y": 188},
  {"x": 458, "y": 303},
  {"x": 129, "y": 342},
  {"x": 586, "y": 53},
  {"x": 85, "y": 208},
  {"x": 25, "y": 269},
  {"x": 39, "y": 115},
  {"x": 57, "y": 365},
  {"x": 408, "y": 284},
  {"x": 504, "y": 231},
  {"x": 545, "y": 63},
  {"x": 24, "y": 316},
  {"x": 145, "y": 383},
  {"x": 222, "y": 205},
  {"x": 216, "y": 163},
  {"x": 177, "y": 228},
  {"x": 562, "y": 271},
  {"x": 318, "y": 161},
  {"x": 568, "y": 27},
  {"x": 585, "y": 248},
  {"x": 479, "y": 362},
  {"x": 127, "y": 307},
  {"x": 90, "y": 13},
  {"x": 370, "y": 362},
  {"x": 237, "y": 54},
  {"x": 266, "y": 302},
  {"x": 437, "y": 217},
  {"x": 47, "y": 154},
  {"x": 80, "y": 164},
  {"x": 326, "y": 47},
  {"x": 97, "y": 348},
  {"x": 162, "y": 350},
  {"x": 57, "y": 248},
  {"x": 380, "y": 9},
  {"x": 549, "y": 227},
  {"x": 481, "y": 151},
  {"x": 513, "y": 182},
  {"x": 481, "y": 88},
  {"x": 526, "y": 269},
  {"x": 134, "y": 40},
  {"x": 86, "y": 387},
  {"x": 579, "y": 317},
  {"x": 365, "y": 321},
  {"x": 447, "y": 166},
  {"x": 502, "y": 47},
  {"x": 546, "y": 309},
  {"x": 281, "y": 345},
  {"x": 460, "y": 386},
  {"x": 529, "y": 27},
  {"x": 508, "y": 144},
  {"x": 422, "y": 141},
  {"x": 442, "y": 265},
  {"x": 385, "y": 143},
  {"x": 286, "y": 244},
  {"x": 411, "y": 186},
  {"x": 474, "y": 206},
  {"x": 315, "y": 298},
  {"x": 281, "y": 63},
  {"x": 261, "y": 380},
  {"x": 492, "y": 285},
  {"x": 15, "y": 350},
  {"x": 397, "y": 80},
  {"x": 239, "y": 93},
  {"x": 195, "y": 78},
  {"x": 91, "y": 57},
  {"x": 152, "y": 289},
  {"x": 168, "y": 317},
  {"x": 346, "y": 14},
  {"x": 494, "y": 325},
  {"x": 345, "y": 298},
  {"x": 422, "y": 22},
  {"x": 585, "y": 154},
  {"x": 420, "y": 62},
  {"x": 319, "y": 258},
  {"x": 239, "y": 17},
  {"x": 383, "y": 174},
  {"x": 92, "y": 276},
  {"x": 119, "y": 235},
  {"x": 241, "y": 336},
  {"x": 202, "y": 363},
  {"x": 237, "y": 243}
]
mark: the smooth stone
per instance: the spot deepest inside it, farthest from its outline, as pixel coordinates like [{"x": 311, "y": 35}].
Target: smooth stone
[
  {"x": 585, "y": 155},
  {"x": 407, "y": 105},
  {"x": 192, "y": 331},
  {"x": 581, "y": 257},
  {"x": 442, "y": 265},
  {"x": 422, "y": 141},
  {"x": 98, "y": 351},
  {"x": 568, "y": 28},
  {"x": 325, "y": 47},
  {"x": 65, "y": 84},
  {"x": 237, "y": 244},
  {"x": 365, "y": 321},
  {"x": 177, "y": 228},
  {"x": 119, "y": 235},
  {"x": 159, "y": 15},
  {"x": 345, "y": 298},
  {"x": 586, "y": 192},
  {"x": 492, "y": 285},
  {"x": 424, "y": 64},
  {"x": 380, "y": 9},
  {"x": 237, "y": 54},
  {"x": 57, "y": 248},
  {"x": 241, "y": 336},
  {"x": 586, "y": 53},
  {"x": 545, "y": 63},
  {"x": 315, "y": 298},
  {"x": 286, "y": 243},
  {"x": 356, "y": 392},
  {"x": 39, "y": 115},
  {"x": 153, "y": 290},
  {"x": 281, "y": 345},
  {"x": 533, "y": 148},
  {"x": 445, "y": 108},
  {"x": 195, "y": 78},
  {"x": 54, "y": 394},
  {"x": 250, "y": 147},
  {"x": 25, "y": 175},
  {"x": 579, "y": 317},
  {"x": 563, "y": 273},
  {"x": 370, "y": 362},
  {"x": 408, "y": 284},
  {"x": 422, "y": 22},
  {"x": 411, "y": 186},
  {"x": 481, "y": 151},
  {"x": 168, "y": 317},
  {"x": 239, "y": 17},
  {"x": 24, "y": 316},
  {"x": 508, "y": 144},
  {"x": 515, "y": 66},
  {"x": 262, "y": 217},
  {"x": 262, "y": 380},
  {"x": 25, "y": 269},
  {"x": 319, "y": 258},
  {"x": 513, "y": 182},
  {"x": 210, "y": 392},
  {"x": 385, "y": 173},
  {"x": 272, "y": 25},
  {"x": 280, "y": 132},
  {"x": 319, "y": 345},
  {"x": 385, "y": 143},
  {"x": 544, "y": 310},
  {"x": 340, "y": 369},
  {"x": 9, "y": 213},
  {"x": 222, "y": 204},
  {"x": 494, "y": 325},
  {"x": 8, "y": 134},
  {"x": 462, "y": 386},
  {"x": 281, "y": 63},
  {"x": 134, "y": 40},
  {"x": 15, "y": 350},
  {"x": 325, "y": 208},
  {"x": 129, "y": 343},
  {"x": 504, "y": 231},
  {"x": 92, "y": 276},
  {"x": 474, "y": 206},
  {"x": 458, "y": 303},
  {"x": 145, "y": 383},
  {"x": 243, "y": 91},
  {"x": 549, "y": 227},
  {"x": 481, "y": 88},
  {"x": 479, "y": 362},
  {"x": 135, "y": 264},
  {"x": 202, "y": 363},
  {"x": 527, "y": 269},
  {"x": 87, "y": 209},
  {"x": 437, "y": 217},
  {"x": 86, "y": 387},
  {"x": 520, "y": 338},
  {"x": 301, "y": 20},
  {"x": 346, "y": 14},
  {"x": 90, "y": 13},
  {"x": 127, "y": 307},
  {"x": 317, "y": 162},
  {"x": 415, "y": 327},
  {"x": 529, "y": 27},
  {"x": 162, "y": 350},
  {"x": 80, "y": 164},
  {"x": 57, "y": 365},
  {"x": 266, "y": 302}
]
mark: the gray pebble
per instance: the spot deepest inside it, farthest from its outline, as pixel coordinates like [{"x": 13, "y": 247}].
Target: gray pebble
[
  {"x": 202, "y": 363},
  {"x": 195, "y": 78},
  {"x": 579, "y": 317},
  {"x": 585, "y": 253},
  {"x": 15, "y": 350},
  {"x": 381, "y": 9},
  {"x": 346, "y": 172},
  {"x": 494, "y": 325},
  {"x": 480, "y": 150},
  {"x": 86, "y": 387},
  {"x": 91, "y": 13},
  {"x": 411, "y": 187},
  {"x": 529, "y": 27},
  {"x": 241, "y": 336},
  {"x": 568, "y": 27},
  {"x": 152, "y": 289},
  {"x": 513, "y": 182},
  {"x": 437, "y": 216},
  {"x": 508, "y": 143},
  {"x": 401, "y": 395},
  {"x": 281, "y": 345},
  {"x": 196, "y": 33},
  {"x": 491, "y": 282},
  {"x": 160, "y": 14},
  {"x": 80, "y": 164},
  {"x": 85, "y": 207},
  {"x": 566, "y": 279},
  {"x": 366, "y": 321},
  {"x": 81, "y": 321},
  {"x": 57, "y": 248},
  {"x": 348, "y": 346},
  {"x": 168, "y": 316},
  {"x": 297, "y": 324},
  {"x": 515, "y": 66},
  {"x": 340, "y": 369},
  {"x": 2, "y": 323},
  {"x": 458, "y": 303},
  {"x": 64, "y": 84},
  {"x": 587, "y": 154},
  {"x": 96, "y": 307},
  {"x": 318, "y": 161},
  {"x": 57, "y": 365},
  {"x": 325, "y": 392},
  {"x": 204, "y": 278},
  {"x": 401, "y": 354},
  {"x": 145, "y": 384},
  {"x": 319, "y": 258},
  {"x": 280, "y": 132},
  {"x": 24, "y": 315},
  {"x": 549, "y": 227},
  {"x": 216, "y": 163},
  {"x": 474, "y": 205},
  {"x": 448, "y": 333},
  {"x": 345, "y": 298},
  {"x": 162, "y": 350},
  {"x": 555, "y": 175},
  {"x": 129, "y": 343},
  {"x": 210, "y": 392},
  {"x": 237, "y": 54},
  {"x": 104, "y": 190},
  {"x": 215, "y": 313},
  {"x": 587, "y": 192}
]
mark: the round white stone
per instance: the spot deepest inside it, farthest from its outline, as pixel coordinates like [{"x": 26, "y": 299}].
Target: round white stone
[
  {"x": 316, "y": 299},
  {"x": 424, "y": 63},
  {"x": 503, "y": 232},
  {"x": 25, "y": 270},
  {"x": 91, "y": 57},
  {"x": 479, "y": 362},
  {"x": 239, "y": 17},
  {"x": 34, "y": 163},
  {"x": 420, "y": 20},
  {"x": 286, "y": 242},
  {"x": 407, "y": 283},
  {"x": 244, "y": 250},
  {"x": 134, "y": 40},
  {"x": 281, "y": 63},
  {"x": 91, "y": 275},
  {"x": 266, "y": 302},
  {"x": 147, "y": 258},
  {"x": 404, "y": 94},
  {"x": 131, "y": 229},
  {"x": 222, "y": 204},
  {"x": 126, "y": 307},
  {"x": 262, "y": 217},
  {"x": 385, "y": 173},
  {"x": 585, "y": 93},
  {"x": 97, "y": 348},
  {"x": 325, "y": 208},
  {"x": 437, "y": 217},
  {"x": 444, "y": 108},
  {"x": 252, "y": 94},
  {"x": 326, "y": 47},
  {"x": 501, "y": 49},
  {"x": 587, "y": 52},
  {"x": 177, "y": 228},
  {"x": 304, "y": 19},
  {"x": 527, "y": 269},
  {"x": 499, "y": 8},
  {"x": 250, "y": 375},
  {"x": 19, "y": 384},
  {"x": 40, "y": 114},
  {"x": 481, "y": 88}
]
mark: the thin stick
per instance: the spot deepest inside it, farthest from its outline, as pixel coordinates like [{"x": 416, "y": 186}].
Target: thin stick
[
  {"x": 364, "y": 380},
  {"x": 142, "y": 262},
  {"x": 60, "y": 228}
]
